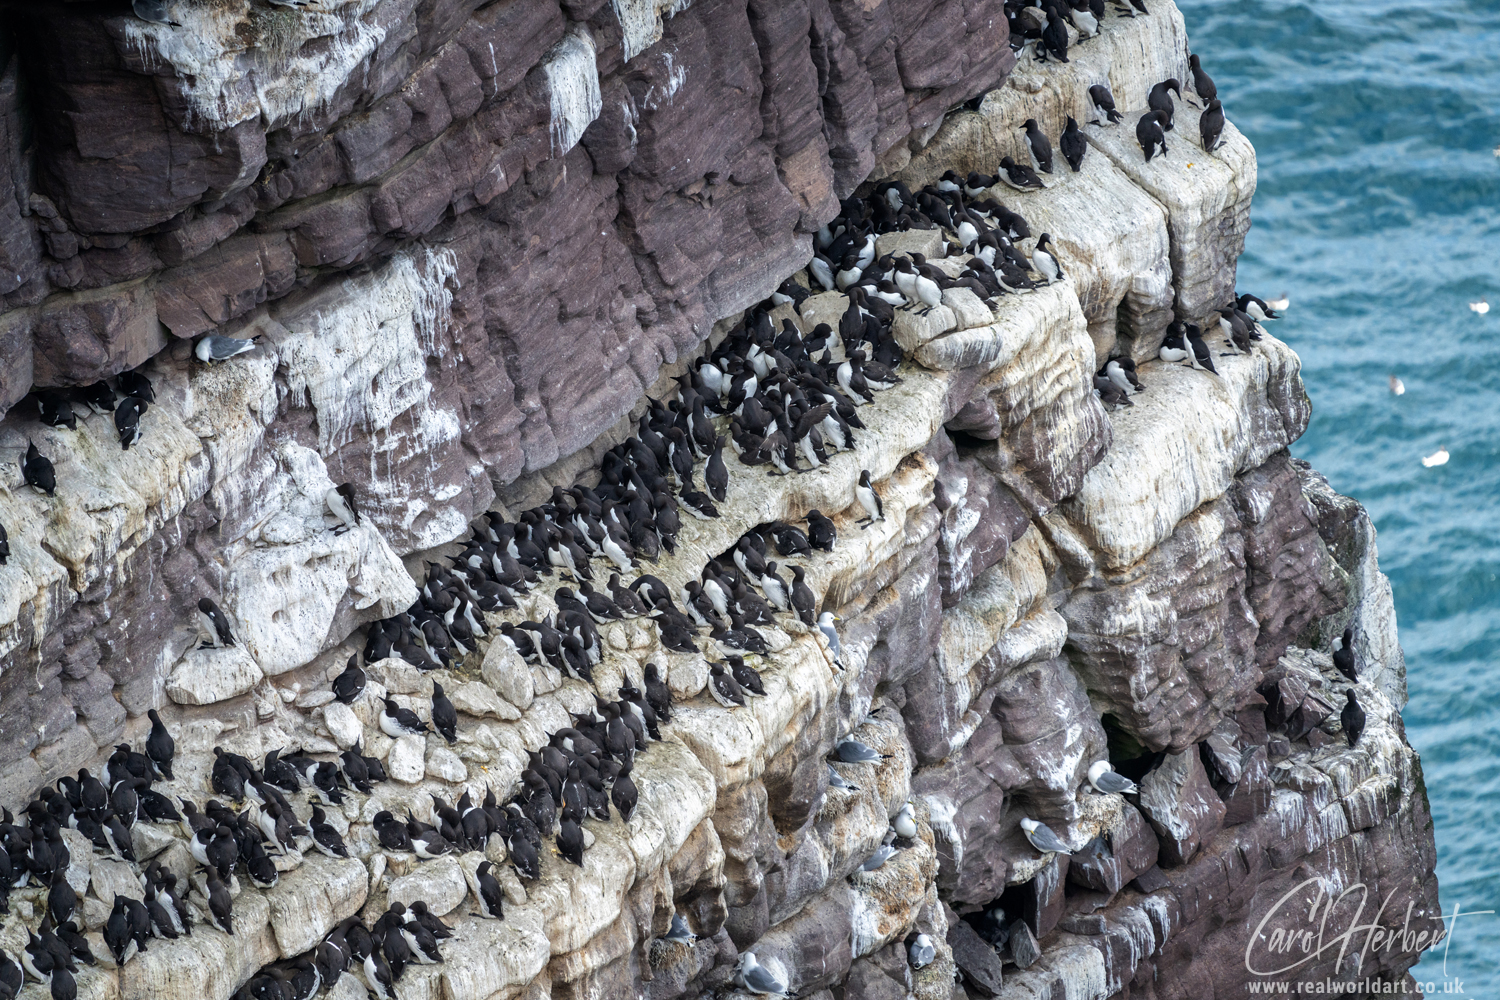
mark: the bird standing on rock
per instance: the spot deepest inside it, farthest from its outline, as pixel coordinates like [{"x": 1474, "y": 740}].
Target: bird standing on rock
[
  {"x": 1150, "y": 134},
  {"x": 1105, "y": 101},
  {"x": 1073, "y": 145},
  {"x": 865, "y": 493},
  {"x": 213, "y": 625},
  {"x": 1042, "y": 838},
  {"x": 1211, "y": 125},
  {"x": 1104, "y": 779},
  {"x": 1353, "y": 718},
  {"x": 37, "y": 470},
  {"x": 397, "y": 722},
  {"x": 214, "y": 348},
  {"x": 1343, "y": 656},
  {"x": 1036, "y": 142}
]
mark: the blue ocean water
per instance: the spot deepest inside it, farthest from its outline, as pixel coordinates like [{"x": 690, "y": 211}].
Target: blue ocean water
[{"x": 1378, "y": 212}]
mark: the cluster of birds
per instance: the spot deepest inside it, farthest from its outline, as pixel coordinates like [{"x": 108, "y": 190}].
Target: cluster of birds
[
  {"x": 1105, "y": 780},
  {"x": 128, "y": 399},
  {"x": 1044, "y": 26},
  {"x": 220, "y": 839},
  {"x": 1239, "y": 322}
]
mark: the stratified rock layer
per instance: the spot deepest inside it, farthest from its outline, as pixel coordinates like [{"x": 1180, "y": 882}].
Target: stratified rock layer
[{"x": 469, "y": 239}]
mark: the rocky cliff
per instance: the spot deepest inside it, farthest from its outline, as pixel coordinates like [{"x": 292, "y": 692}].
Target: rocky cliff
[{"x": 471, "y": 239}]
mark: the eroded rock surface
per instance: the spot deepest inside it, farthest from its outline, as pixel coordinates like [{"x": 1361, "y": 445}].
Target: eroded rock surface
[{"x": 469, "y": 239}]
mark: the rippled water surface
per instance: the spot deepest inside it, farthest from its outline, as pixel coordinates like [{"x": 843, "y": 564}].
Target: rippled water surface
[{"x": 1378, "y": 212}]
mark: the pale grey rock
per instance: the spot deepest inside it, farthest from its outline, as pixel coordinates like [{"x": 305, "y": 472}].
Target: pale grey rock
[
  {"x": 150, "y": 839},
  {"x": 113, "y": 878},
  {"x": 508, "y": 674},
  {"x": 206, "y": 676},
  {"x": 80, "y": 859},
  {"x": 1182, "y": 444},
  {"x": 440, "y": 883},
  {"x": 446, "y": 765},
  {"x": 481, "y": 701},
  {"x": 407, "y": 760},
  {"x": 343, "y": 725},
  {"x": 307, "y": 903}
]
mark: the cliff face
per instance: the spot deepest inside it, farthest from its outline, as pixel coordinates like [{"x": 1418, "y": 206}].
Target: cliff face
[{"x": 470, "y": 239}]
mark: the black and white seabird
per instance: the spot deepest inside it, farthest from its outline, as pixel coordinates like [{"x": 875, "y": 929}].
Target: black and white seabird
[
  {"x": 325, "y": 836},
  {"x": 869, "y": 499},
  {"x": 37, "y": 470},
  {"x": 213, "y": 348},
  {"x": 1211, "y": 125},
  {"x": 1121, "y": 372},
  {"x": 4, "y": 545},
  {"x": 1036, "y": 142},
  {"x": 1054, "y": 41},
  {"x": 128, "y": 421},
  {"x": 54, "y": 410},
  {"x": 1110, "y": 394},
  {"x": 99, "y": 397},
  {"x": 1073, "y": 145},
  {"x": 570, "y": 840},
  {"x": 724, "y": 688},
  {"x": 716, "y": 473},
  {"x": 341, "y": 502},
  {"x": 213, "y": 625},
  {"x": 1157, "y": 100},
  {"x": 1202, "y": 358},
  {"x": 1149, "y": 133},
  {"x": 1045, "y": 260},
  {"x": 1343, "y": 656},
  {"x": 1019, "y": 176},
  {"x": 921, "y": 953},
  {"x": 1203, "y": 84},
  {"x": 1042, "y": 838},
  {"x": 1105, "y": 101},
  {"x": 821, "y": 533},
  {"x": 491, "y": 896},
  {"x": 349, "y": 685},
  {"x": 444, "y": 715},
  {"x": 397, "y": 722},
  {"x": 135, "y": 384},
  {"x": 1353, "y": 718},
  {"x": 160, "y": 746},
  {"x": 1104, "y": 779},
  {"x": 220, "y": 905},
  {"x": 1174, "y": 346},
  {"x": 390, "y": 831}
]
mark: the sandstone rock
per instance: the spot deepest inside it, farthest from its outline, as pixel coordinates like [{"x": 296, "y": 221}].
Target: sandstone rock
[
  {"x": 480, "y": 701},
  {"x": 407, "y": 760},
  {"x": 1181, "y": 806},
  {"x": 445, "y": 765},
  {"x": 113, "y": 878},
  {"x": 505, "y": 671},
  {"x": 440, "y": 883},
  {"x": 980, "y": 966},
  {"x": 206, "y": 676},
  {"x": 307, "y": 903},
  {"x": 342, "y": 724}
]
